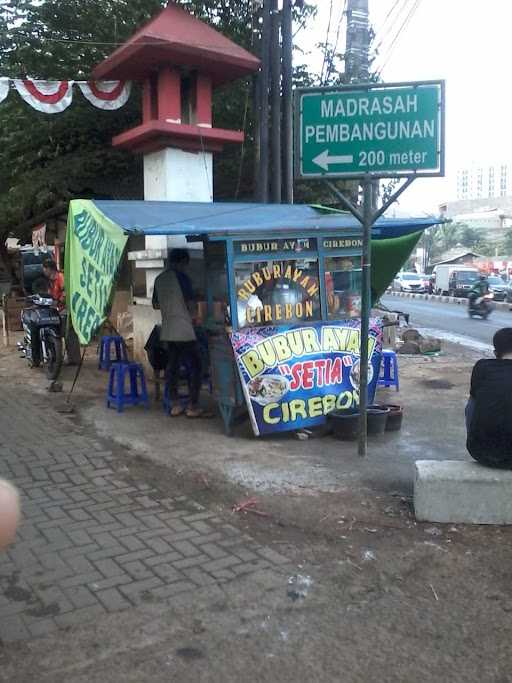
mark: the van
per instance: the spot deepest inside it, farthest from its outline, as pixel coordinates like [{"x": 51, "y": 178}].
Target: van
[{"x": 455, "y": 280}]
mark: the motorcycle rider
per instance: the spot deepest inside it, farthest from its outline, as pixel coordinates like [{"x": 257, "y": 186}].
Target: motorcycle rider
[
  {"x": 478, "y": 291},
  {"x": 56, "y": 283},
  {"x": 56, "y": 291},
  {"x": 432, "y": 283}
]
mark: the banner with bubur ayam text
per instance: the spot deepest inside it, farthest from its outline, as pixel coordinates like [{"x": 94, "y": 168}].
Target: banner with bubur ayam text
[
  {"x": 293, "y": 376},
  {"x": 94, "y": 248}
]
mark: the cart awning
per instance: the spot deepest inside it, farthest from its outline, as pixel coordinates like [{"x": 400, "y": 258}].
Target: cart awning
[
  {"x": 98, "y": 231},
  {"x": 230, "y": 219}
]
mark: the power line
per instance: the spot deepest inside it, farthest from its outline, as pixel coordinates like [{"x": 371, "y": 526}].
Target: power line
[
  {"x": 387, "y": 33},
  {"x": 326, "y": 41},
  {"x": 226, "y": 48},
  {"x": 333, "y": 53},
  {"x": 391, "y": 11},
  {"x": 397, "y": 36},
  {"x": 384, "y": 29},
  {"x": 400, "y": 30}
]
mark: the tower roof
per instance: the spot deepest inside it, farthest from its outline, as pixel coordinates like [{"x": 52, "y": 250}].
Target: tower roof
[{"x": 175, "y": 37}]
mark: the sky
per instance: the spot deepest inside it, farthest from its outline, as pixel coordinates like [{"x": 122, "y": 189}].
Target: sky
[{"x": 465, "y": 42}]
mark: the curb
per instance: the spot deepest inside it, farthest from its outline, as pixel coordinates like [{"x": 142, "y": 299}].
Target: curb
[{"x": 500, "y": 305}]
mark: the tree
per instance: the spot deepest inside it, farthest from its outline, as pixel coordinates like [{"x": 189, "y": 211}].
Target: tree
[
  {"x": 445, "y": 237},
  {"x": 486, "y": 248},
  {"x": 469, "y": 237},
  {"x": 47, "y": 160},
  {"x": 441, "y": 238},
  {"x": 507, "y": 243}
]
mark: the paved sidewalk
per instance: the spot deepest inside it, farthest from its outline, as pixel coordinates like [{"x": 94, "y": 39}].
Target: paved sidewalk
[{"x": 92, "y": 542}]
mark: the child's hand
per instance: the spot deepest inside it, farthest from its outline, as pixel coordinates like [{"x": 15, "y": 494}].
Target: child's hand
[{"x": 9, "y": 513}]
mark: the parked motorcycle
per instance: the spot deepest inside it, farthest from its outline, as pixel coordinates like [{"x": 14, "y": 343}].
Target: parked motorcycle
[
  {"x": 482, "y": 306},
  {"x": 42, "y": 342}
]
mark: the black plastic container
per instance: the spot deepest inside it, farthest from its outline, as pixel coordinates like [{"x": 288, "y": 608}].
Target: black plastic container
[
  {"x": 345, "y": 424},
  {"x": 395, "y": 417},
  {"x": 377, "y": 417}
]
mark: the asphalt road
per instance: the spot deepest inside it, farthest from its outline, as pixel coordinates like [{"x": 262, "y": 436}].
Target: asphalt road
[{"x": 450, "y": 321}]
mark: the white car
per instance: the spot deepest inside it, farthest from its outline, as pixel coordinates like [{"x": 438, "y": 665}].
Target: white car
[{"x": 409, "y": 282}]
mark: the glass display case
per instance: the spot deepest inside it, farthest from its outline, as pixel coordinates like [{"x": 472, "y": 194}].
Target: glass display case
[
  {"x": 275, "y": 291},
  {"x": 293, "y": 280},
  {"x": 343, "y": 286}
]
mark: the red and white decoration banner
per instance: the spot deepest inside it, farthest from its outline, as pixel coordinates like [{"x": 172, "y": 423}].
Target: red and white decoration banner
[
  {"x": 52, "y": 97},
  {"x": 48, "y": 97},
  {"x": 109, "y": 95},
  {"x": 4, "y": 88}
]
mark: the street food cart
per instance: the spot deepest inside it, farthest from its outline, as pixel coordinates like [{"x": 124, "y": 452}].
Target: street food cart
[
  {"x": 285, "y": 279},
  {"x": 279, "y": 288}
]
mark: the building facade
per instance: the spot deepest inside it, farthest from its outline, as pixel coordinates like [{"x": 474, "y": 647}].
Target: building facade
[
  {"x": 484, "y": 181},
  {"x": 493, "y": 219}
]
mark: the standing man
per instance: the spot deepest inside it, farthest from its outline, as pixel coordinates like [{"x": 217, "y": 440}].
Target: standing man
[
  {"x": 56, "y": 291},
  {"x": 172, "y": 294}
]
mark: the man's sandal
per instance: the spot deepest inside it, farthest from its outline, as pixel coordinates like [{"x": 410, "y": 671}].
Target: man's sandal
[
  {"x": 194, "y": 413},
  {"x": 176, "y": 411}
]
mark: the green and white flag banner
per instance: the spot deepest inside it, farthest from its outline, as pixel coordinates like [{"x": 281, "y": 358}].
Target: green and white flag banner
[{"x": 94, "y": 248}]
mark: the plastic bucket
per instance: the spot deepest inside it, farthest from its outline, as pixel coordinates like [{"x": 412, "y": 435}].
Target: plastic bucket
[
  {"x": 345, "y": 424},
  {"x": 377, "y": 417},
  {"x": 395, "y": 417}
]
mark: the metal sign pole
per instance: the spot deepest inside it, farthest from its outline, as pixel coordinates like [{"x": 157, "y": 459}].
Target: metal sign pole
[
  {"x": 365, "y": 314},
  {"x": 367, "y": 217},
  {"x": 329, "y": 143}
]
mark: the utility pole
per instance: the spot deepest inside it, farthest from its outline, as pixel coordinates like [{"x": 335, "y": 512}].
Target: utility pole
[
  {"x": 275, "y": 102},
  {"x": 358, "y": 41},
  {"x": 287, "y": 130},
  {"x": 263, "y": 104},
  {"x": 356, "y": 70},
  {"x": 256, "y": 101}
]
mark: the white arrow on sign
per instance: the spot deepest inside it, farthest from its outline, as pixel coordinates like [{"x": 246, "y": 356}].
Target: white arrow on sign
[{"x": 324, "y": 160}]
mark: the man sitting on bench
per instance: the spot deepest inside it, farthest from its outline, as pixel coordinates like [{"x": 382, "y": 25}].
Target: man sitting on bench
[{"x": 489, "y": 409}]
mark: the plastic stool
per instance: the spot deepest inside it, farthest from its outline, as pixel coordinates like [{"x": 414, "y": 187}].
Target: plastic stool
[
  {"x": 389, "y": 374},
  {"x": 137, "y": 393},
  {"x": 106, "y": 344}
]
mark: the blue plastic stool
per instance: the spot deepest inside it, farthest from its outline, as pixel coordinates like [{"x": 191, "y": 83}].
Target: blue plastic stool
[
  {"x": 389, "y": 374},
  {"x": 105, "y": 355},
  {"x": 137, "y": 393}
]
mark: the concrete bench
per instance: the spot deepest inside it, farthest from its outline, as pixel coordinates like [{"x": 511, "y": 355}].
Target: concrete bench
[{"x": 460, "y": 491}]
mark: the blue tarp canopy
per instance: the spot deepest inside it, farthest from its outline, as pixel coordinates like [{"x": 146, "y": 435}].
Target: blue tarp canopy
[{"x": 231, "y": 219}]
